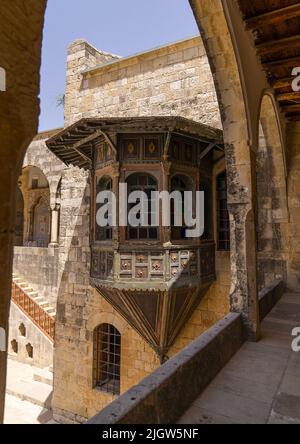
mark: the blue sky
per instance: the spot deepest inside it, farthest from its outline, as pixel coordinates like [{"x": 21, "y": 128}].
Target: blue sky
[{"x": 123, "y": 27}]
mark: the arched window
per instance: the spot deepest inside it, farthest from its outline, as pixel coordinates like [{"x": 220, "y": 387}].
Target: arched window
[
  {"x": 107, "y": 358},
  {"x": 147, "y": 184},
  {"x": 41, "y": 222},
  {"x": 181, "y": 184},
  {"x": 103, "y": 233},
  {"x": 223, "y": 225}
]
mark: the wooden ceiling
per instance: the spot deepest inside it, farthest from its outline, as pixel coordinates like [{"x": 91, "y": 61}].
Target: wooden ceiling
[{"x": 276, "y": 28}]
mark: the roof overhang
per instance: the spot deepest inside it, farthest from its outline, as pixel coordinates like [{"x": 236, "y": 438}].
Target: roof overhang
[{"x": 75, "y": 145}]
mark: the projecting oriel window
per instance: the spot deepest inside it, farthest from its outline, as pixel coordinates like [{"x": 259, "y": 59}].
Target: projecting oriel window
[
  {"x": 107, "y": 358},
  {"x": 222, "y": 214}
]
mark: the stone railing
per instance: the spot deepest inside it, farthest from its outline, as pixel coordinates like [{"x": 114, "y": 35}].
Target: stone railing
[
  {"x": 164, "y": 396},
  {"x": 269, "y": 296},
  {"x": 33, "y": 311}
]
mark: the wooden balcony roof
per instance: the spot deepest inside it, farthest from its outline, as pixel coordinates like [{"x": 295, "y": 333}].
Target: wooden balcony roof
[{"x": 74, "y": 145}]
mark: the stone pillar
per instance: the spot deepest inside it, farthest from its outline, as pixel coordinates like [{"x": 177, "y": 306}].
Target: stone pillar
[
  {"x": 54, "y": 226},
  {"x": 243, "y": 294},
  {"x": 19, "y": 109}
]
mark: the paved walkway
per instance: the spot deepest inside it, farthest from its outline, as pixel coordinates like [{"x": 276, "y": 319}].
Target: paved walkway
[
  {"x": 261, "y": 383},
  {"x": 28, "y": 394}
]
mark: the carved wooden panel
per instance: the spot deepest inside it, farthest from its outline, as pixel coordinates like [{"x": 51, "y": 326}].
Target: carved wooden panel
[
  {"x": 102, "y": 266},
  {"x": 183, "y": 150},
  {"x": 104, "y": 153},
  {"x": 140, "y": 148}
]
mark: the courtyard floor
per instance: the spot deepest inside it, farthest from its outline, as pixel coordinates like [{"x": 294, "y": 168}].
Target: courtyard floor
[
  {"x": 28, "y": 394},
  {"x": 261, "y": 383}
]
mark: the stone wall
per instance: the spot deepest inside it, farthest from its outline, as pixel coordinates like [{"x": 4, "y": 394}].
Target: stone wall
[
  {"x": 39, "y": 268},
  {"x": 172, "y": 80},
  {"x": 164, "y": 396},
  {"x": 42, "y": 346},
  {"x": 293, "y": 144}
]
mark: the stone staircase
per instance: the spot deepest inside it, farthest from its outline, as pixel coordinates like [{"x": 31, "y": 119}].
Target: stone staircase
[
  {"x": 40, "y": 300},
  {"x": 35, "y": 307}
]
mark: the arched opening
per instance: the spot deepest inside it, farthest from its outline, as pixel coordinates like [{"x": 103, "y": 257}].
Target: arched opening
[
  {"x": 14, "y": 346},
  {"x": 36, "y": 194},
  {"x": 147, "y": 184},
  {"x": 107, "y": 358},
  {"x": 22, "y": 329},
  {"x": 272, "y": 212},
  {"x": 29, "y": 350}
]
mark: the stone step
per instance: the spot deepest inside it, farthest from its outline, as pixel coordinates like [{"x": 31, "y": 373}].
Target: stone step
[
  {"x": 43, "y": 375},
  {"x": 52, "y": 314},
  {"x": 25, "y": 387}
]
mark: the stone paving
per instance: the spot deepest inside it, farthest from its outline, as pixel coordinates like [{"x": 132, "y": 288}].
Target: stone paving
[
  {"x": 28, "y": 394},
  {"x": 261, "y": 384}
]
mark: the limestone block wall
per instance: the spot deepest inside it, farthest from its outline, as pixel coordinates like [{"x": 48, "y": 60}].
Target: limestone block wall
[
  {"x": 39, "y": 156},
  {"x": 42, "y": 347},
  {"x": 172, "y": 80},
  {"x": 293, "y": 144},
  {"x": 39, "y": 268}
]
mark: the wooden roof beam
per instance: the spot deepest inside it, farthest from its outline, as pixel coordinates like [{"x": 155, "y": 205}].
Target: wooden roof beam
[
  {"x": 278, "y": 45},
  {"x": 291, "y": 108},
  {"x": 282, "y": 83},
  {"x": 273, "y": 17},
  {"x": 288, "y": 96},
  {"x": 283, "y": 63}
]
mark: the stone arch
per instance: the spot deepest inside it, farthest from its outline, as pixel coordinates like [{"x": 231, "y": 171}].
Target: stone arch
[
  {"x": 36, "y": 193},
  {"x": 234, "y": 64},
  {"x": 107, "y": 318},
  {"x": 272, "y": 202}
]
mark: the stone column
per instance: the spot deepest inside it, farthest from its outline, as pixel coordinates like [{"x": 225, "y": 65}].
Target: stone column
[
  {"x": 54, "y": 226},
  {"x": 243, "y": 294}
]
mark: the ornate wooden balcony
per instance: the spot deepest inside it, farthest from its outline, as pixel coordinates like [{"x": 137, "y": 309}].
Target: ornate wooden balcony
[{"x": 154, "y": 277}]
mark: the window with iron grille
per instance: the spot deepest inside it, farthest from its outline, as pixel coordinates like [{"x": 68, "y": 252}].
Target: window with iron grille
[
  {"x": 107, "y": 358},
  {"x": 147, "y": 184},
  {"x": 222, "y": 214}
]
